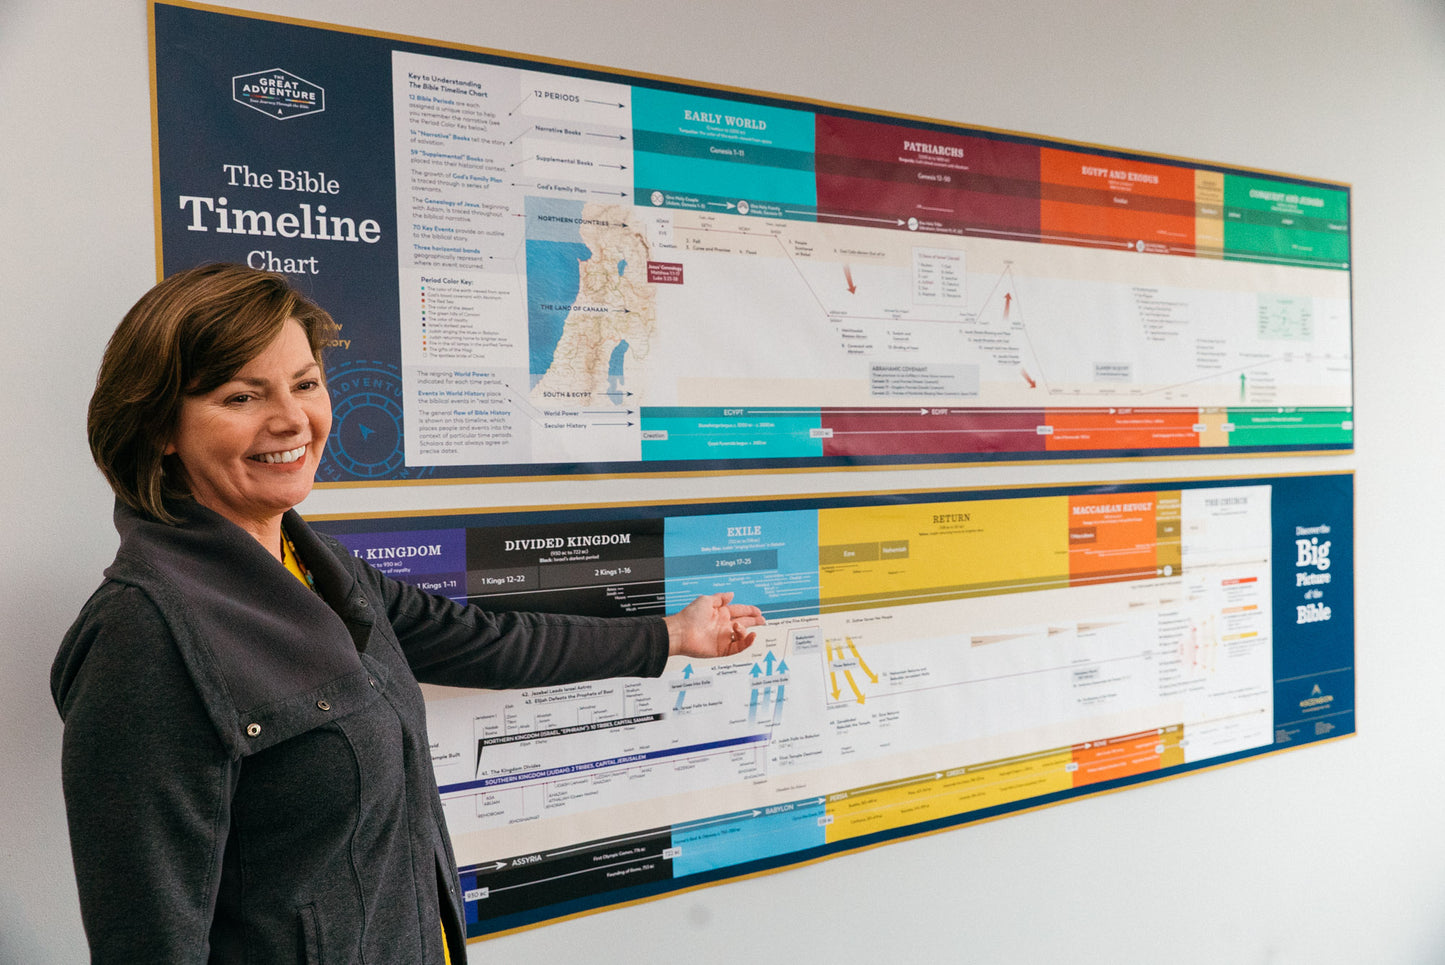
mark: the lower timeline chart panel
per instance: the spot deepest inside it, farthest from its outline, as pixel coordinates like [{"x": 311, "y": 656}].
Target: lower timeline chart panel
[{"x": 930, "y": 659}]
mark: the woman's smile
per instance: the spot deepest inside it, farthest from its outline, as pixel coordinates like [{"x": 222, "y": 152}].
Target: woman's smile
[{"x": 273, "y": 457}]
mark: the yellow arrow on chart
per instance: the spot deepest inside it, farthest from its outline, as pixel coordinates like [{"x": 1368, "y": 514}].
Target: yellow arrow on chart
[
  {"x": 833, "y": 676},
  {"x": 863, "y": 666},
  {"x": 854, "y": 684}
]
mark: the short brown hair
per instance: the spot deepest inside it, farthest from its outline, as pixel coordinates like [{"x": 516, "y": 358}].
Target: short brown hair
[{"x": 186, "y": 336}]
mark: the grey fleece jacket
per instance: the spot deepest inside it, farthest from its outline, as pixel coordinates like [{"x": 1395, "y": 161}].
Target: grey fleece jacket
[{"x": 246, "y": 767}]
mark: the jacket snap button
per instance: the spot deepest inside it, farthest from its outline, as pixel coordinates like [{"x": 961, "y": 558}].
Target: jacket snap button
[
  {"x": 323, "y": 705},
  {"x": 253, "y": 730}
]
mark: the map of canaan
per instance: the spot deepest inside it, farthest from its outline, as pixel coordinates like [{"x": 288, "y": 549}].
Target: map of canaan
[{"x": 607, "y": 324}]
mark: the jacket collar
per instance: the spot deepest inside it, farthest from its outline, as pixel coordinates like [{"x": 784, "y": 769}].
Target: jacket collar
[{"x": 253, "y": 635}]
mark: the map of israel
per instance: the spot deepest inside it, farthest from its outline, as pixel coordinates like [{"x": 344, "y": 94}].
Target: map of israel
[{"x": 611, "y": 319}]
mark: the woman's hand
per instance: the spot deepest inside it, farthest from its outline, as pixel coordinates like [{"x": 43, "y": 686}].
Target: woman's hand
[{"x": 712, "y": 626}]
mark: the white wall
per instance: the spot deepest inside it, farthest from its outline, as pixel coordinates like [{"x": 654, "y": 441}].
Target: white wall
[{"x": 1333, "y": 853}]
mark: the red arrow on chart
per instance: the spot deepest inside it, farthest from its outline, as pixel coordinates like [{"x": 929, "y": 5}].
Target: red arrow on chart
[
  {"x": 1007, "y": 297},
  {"x": 848, "y": 274},
  {"x": 1029, "y": 379}
]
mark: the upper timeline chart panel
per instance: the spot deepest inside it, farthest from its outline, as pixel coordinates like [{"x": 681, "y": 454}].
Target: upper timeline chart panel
[{"x": 545, "y": 269}]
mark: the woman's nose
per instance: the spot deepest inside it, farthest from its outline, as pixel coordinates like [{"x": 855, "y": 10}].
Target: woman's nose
[{"x": 287, "y": 414}]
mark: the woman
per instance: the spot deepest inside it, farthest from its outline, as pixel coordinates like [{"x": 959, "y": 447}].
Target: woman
[{"x": 246, "y": 767}]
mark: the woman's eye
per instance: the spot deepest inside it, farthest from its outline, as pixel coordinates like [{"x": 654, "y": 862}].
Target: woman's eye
[{"x": 238, "y": 399}]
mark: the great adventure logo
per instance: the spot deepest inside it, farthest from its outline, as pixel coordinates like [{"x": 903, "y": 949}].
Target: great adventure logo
[{"x": 279, "y": 94}]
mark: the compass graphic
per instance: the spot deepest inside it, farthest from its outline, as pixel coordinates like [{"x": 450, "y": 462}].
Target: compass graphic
[{"x": 366, "y": 426}]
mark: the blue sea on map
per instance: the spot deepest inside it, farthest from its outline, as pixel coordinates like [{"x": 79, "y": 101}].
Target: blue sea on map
[
  {"x": 552, "y": 282},
  {"x": 616, "y": 372}
]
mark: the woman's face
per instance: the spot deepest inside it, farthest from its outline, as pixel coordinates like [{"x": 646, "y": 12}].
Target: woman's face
[{"x": 250, "y": 447}]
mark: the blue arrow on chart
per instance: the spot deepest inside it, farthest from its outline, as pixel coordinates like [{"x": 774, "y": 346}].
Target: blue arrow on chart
[
  {"x": 778, "y": 705},
  {"x": 686, "y": 674},
  {"x": 753, "y": 707},
  {"x": 756, "y": 671},
  {"x": 770, "y": 663}
]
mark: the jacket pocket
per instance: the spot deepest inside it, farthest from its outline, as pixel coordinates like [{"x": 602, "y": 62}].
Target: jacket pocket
[{"x": 310, "y": 935}]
